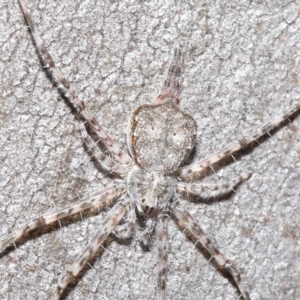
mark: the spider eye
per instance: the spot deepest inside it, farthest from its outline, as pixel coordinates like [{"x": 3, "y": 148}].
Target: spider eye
[{"x": 148, "y": 209}]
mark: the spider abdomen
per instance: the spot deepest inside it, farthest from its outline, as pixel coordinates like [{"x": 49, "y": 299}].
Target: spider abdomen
[{"x": 161, "y": 136}]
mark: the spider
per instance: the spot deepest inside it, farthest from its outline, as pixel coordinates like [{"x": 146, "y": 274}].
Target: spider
[{"x": 151, "y": 176}]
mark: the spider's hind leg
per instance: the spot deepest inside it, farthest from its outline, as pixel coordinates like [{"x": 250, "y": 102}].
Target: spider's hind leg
[
  {"x": 198, "y": 168},
  {"x": 83, "y": 112},
  {"x": 105, "y": 161}
]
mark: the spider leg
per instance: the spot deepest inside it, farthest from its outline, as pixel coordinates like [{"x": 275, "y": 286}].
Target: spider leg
[
  {"x": 210, "y": 192},
  {"x": 197, "y": 168},
  {"x": 171, "y": 86},
  {"x": 125, "y": 230},
  {"x": 106, "y": 162},
  {"x": 70, "y": 94},
  {"x": 186, "y": 222},
  {"x": 113, "y": 218},
  {"x": 145, "y": 236},
  {"x": 163, "y": 245},
  {"x": 99, "y": 200}
]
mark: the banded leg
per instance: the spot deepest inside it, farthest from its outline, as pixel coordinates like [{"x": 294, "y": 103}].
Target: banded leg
[
  {"x": 125, "y": 231},
  {"x": 210, "y": 192},
  {"x": 186, "y": 222},
  {"x": 105, "y": 161},
  {"x": 171, "y": 85},
  {"x": 197, "y": 168},
  {"x": 163, "y": 247},
  {"x": 70, "y": 94},
  {"x": 145, "y": 236},
  {"x": 113, "y": 218},
  {"x": 99, "y": 200}
]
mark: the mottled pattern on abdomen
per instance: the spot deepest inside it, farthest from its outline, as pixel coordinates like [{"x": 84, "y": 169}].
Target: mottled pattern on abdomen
[{"x": 161, "y": 136}]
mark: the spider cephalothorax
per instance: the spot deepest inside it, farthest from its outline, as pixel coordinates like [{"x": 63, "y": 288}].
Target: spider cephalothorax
[{"x": 150, "y": 190}]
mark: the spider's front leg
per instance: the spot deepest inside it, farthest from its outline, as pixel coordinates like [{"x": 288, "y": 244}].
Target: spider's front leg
[
  {"x": 111, "y": 221},
  {"x": 197, "y": 169},
  {"x": 163, "y": 246},
  {"x": 188, "y": 225},
  {"x": 100, "y": 200}
]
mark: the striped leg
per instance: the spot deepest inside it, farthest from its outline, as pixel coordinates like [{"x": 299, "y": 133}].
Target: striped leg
[
  {"x": 125, "y": 231},
  {"x": 99, "y": 200},
  {"x": 163, "y": 245},
  {"x": 70, "y": 94},
  {"x": 146, "y": 235},
  {"x": 186, "y": 222},
  {"x": 197, "y": 168},
  {"x": 210, "y": 192},
  {"x": 113, "y": 218},
  {"x": 106, "y": 162}
]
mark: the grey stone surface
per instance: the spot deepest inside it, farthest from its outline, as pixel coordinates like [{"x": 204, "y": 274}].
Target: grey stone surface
[{"x": 241, "y": 69}]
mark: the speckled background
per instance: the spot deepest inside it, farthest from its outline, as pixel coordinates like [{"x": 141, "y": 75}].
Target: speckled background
[{"x": 241, "y": 68}]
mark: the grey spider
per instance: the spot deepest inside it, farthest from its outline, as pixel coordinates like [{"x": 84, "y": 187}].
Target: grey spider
[{"x": 152, "y": 176}]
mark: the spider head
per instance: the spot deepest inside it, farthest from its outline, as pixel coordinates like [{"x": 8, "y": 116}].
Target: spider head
[
  {"x": 148, "y": 203},
  {"x": 149, "y": 191}
]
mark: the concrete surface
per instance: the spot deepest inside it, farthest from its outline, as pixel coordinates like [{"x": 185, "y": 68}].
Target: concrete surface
[{"x": 241, "y": 68}]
